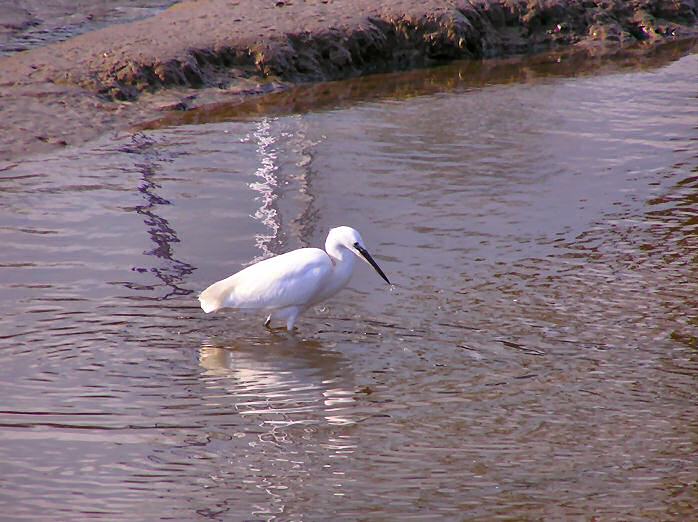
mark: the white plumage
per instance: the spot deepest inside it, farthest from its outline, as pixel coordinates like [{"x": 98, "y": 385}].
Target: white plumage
[{"x": 288, "y": 284}]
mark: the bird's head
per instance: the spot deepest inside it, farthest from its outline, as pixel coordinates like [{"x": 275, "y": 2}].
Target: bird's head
[{"x": 351, "y": 239}]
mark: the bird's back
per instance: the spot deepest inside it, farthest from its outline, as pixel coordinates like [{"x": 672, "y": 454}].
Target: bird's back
[{"x": 290, "y": 279}]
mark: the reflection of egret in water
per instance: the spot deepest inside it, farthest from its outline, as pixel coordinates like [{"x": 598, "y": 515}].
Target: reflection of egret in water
[
  {"x": 161, "y": 233},
  {"x": 284, "y": 189},
  {"x": 295, "y": 401},
  {"x": 283, "y": 380}
]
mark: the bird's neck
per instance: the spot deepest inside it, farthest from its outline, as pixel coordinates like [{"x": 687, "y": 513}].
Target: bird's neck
[{"x": 342, "y": 258}]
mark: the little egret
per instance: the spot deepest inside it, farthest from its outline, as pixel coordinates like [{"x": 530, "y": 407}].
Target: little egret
[{"x": 289, "y": 284}]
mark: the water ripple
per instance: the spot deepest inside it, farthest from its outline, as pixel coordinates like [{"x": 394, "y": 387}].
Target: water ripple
[{"x": 536, "y": 357}]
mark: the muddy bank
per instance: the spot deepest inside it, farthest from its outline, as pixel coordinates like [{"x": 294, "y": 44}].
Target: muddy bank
[
  {"x": 455, "y": 77},
  {"x": 67, "y": 92}
]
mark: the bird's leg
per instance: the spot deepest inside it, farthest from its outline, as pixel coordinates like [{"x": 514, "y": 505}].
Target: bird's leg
[
  {"x": 293, "y": 315},
  {"x": 268, "y": 322}
]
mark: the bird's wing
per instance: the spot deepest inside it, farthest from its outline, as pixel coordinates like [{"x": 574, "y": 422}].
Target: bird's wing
[{"x": 291, "y": 279}]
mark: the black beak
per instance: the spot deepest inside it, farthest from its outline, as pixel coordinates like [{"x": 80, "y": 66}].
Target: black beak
[{"x": 368, "y": 258}]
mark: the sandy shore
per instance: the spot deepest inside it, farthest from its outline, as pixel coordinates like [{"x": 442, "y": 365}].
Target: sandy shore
[{"x": 195, "y": 52}]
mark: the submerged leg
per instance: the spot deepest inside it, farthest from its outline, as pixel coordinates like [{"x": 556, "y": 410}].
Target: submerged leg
[
  {"x": 292, "y": 317},
  {"x": 289, "y": 314}
]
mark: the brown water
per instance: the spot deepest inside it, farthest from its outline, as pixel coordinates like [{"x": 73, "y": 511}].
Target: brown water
[{"x": 537, "y": 358}]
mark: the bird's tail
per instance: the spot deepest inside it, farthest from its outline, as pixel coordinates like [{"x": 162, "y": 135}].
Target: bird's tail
[{"x": 213, "y": 298}]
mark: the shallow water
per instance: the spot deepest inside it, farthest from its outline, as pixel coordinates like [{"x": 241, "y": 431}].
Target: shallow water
[
  {"x": 34, "y": 23},
  {"x": 537, "y": 357}
]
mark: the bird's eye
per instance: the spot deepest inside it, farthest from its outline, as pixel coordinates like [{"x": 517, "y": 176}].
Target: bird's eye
[{"x": 356, "y": 245}]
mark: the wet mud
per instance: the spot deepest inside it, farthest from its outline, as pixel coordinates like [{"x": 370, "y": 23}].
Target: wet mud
[{"x": 67, "y": 92}]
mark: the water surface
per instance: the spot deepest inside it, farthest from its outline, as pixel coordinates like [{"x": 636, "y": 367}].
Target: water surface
[
  {"x": 537, "y": 357},
  {"x": 35, "y": 23}
]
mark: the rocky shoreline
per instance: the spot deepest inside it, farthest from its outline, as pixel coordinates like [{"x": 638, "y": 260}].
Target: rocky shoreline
[{"x": 71, "y": 91}]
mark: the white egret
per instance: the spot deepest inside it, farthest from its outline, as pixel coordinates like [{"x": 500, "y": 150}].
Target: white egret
[{"x": 288, "y": 284}]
